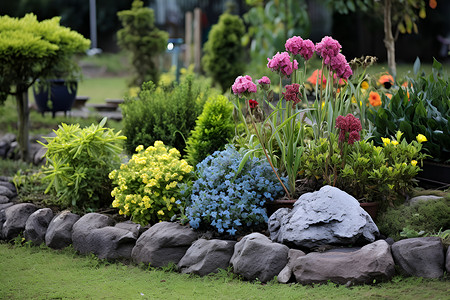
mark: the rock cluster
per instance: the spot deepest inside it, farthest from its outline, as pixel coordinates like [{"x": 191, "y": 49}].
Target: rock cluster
[
  {"x": 9, "y": 148},
  {"x": 254, "y": 256}
]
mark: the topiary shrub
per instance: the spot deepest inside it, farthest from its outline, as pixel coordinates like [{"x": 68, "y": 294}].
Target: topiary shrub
[
  {"x": 166, "y": 114},
  {"x": 78, "y": 163},
  {"x": 143, "y": 40},
  {"x": 213, "y": 130},
  {"x": 224, "y": 54},
  {"x": 227, "y": 201},
  {"x": 147, "y": 186},
  {"x": 429, "y": 216}
]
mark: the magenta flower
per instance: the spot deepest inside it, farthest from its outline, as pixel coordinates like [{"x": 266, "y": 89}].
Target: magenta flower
[
  {"x": 351, "y": 125},
  {"x": 328, "y": 48},
  {"x": 340, "y": 65},
  {"x": 281, "y": 62},
  {"x": 292, "y": 93},
  {"x": 294, "y": 45},
  {"x": 243, "y": 85},
  {"x": 264, "y": 80},
  {"x": 307, "y": 50}
]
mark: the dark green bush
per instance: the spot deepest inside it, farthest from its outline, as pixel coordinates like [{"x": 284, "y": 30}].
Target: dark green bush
[
  {"x": 166, "y": 113},
  {"x": 213, "y": 130},
  {"x": 224, "y": 53},
  {"x": 428, "y": 216}
]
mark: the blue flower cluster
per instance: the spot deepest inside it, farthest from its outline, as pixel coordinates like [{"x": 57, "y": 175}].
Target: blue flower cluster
[{"x": 228, "y": 202}]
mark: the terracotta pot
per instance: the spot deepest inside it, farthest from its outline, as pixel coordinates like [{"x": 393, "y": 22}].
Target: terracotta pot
[{"x": 371, "y": 208}]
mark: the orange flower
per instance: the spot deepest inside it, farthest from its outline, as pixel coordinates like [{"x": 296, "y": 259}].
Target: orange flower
[
  {"x": 386, "y": 80},
  {"x": 405, "y": 84},
  {"x": 389, "y": 95},
  {"x": 433, "y": 4},
  {"x": 374, "y": 99},
  {"x": 315, "y": 77}
]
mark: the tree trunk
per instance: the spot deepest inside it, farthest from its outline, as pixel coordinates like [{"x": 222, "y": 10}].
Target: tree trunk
[
  {"x": 389, "y": 41},
  {"x": 23, "y": 122}
]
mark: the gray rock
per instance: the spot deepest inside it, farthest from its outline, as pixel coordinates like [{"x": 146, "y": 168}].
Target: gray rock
[
  {"x": 7, "y": 192},
  {"x": 37, "y": 224},
  {"x": 16, "y": 217},
  {"x": 5, "y": 144},
  {"x": 421, "y": 257},
  {"x": 327, "y": 216},
  {"x": 6, "y": 205},
  {"x": 285, "y": 275},
  {"x": 447, "y": 261},
  {"x": 94, "y": 233},
  {"x": 9, "y": 185},
  {"x": 163, "y": 243},
  {"x": 3, "y": 199},
  {"x": 136, "y": 229},
  {"x": 257, "y": 257},
  {"x": 39, "y": 156},
  {"x": 207, "y": 256},
  {"x": 59, "y": 231},
  {"x": 415, "y": 200},
  {"x": 372, "y": 262}
]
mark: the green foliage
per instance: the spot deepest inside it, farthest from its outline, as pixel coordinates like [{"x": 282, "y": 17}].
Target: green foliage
[
  {"x": 165, "y": 113},
  {"x": 78, "y": 163},
  {"x": 30, "y": 188},
  {"x": 363, "y": 170},
  {"x": 428, "y": 216},
  {"x": 426, "y": 111},
  {"x": 30, "y": 49},
  {"x": 143, "y": 40},
  {"x": 224, "y": 54},
  {"x": 147, "y": 186},
  {"x": 213, "y": 130}
]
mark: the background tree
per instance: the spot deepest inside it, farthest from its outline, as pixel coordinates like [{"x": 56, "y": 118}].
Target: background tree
[
  {"x": 143, "y": 40},
  {"x": 224, "y": 54},
  {"x": 31, "y": 50}
]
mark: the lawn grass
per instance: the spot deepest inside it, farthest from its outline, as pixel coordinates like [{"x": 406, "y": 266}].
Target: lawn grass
[
  {"x": 27, "y": 274},
  {"x": 100, "y": 88}
]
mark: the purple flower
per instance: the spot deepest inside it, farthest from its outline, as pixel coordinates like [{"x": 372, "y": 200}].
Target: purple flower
[
  {"x": 281, "y": 62},
  {"x": 264, "y": 80},
  {"x": 307, "y": 50},
  {"x": 328, "y": 48},
  {"x": 340, "y": 65},
  {"x": 243, "y": 85},
  {"x": 294, "y": 45}
]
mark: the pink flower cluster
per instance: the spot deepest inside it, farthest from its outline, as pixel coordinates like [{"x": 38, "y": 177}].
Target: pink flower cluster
[
  {"x": 339, "y": 65},
  {"x": 329, "y": 49},
  {"x": 296, "y": 45},
  {"x": 351, "y": 125},
  {"x": 264, "y": 80},
  {"x": 243, "y": 85},
  {"x": 281, "y": 62},
  {"x": 292, "y": 93}
]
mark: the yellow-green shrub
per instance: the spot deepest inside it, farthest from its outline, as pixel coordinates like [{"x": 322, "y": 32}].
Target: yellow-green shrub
[{"x": 147, "y": 186}]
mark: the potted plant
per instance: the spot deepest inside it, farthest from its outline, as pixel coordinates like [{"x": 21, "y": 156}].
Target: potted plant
[{"x": 55, "y": 95}]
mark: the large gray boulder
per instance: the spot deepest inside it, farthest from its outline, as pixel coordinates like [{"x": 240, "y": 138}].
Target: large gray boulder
[
  {"x": 37, "y": 224},
  {"x": 4, "y": 199},
  {"x": 257, "y": 257},
  {"x": 285, "y": 275},
  {"x": 327, "y": 216},
  {"x": 16, "y": 217},
  {"x": 447, "y": 261},
  {"x": 59, "y": 231},
  {"x": 369, "y": 263},
  {"x": 163, "y": 243},
  {"x": 207, "y": 256},
  {"x": 135, "y": 229},
  {"x": 421, "y": 257},
  {"x": 95, "y": 233},
  {"x": 7, "y": 192}
]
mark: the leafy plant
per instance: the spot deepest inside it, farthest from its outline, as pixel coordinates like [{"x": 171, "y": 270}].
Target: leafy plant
[
  {"x": 213, "y": 130},
  {"x": 78, "y": 163},
  {"x": 424, "y": 108},
  {"x": 228, "y": 200},
  {"x": 143, "y": 40},
  {"x": 224, "y": 54},
  {"x": 147, "y": 187},
  {"x": 166, "y": 113}
]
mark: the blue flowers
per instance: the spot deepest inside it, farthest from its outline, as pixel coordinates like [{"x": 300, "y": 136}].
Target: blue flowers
[{"x": 225, "y": 201}]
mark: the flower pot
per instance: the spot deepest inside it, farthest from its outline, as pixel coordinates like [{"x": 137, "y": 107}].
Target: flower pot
[
  {"x": 274, "y": 205},
  {"x": 371, "y": 208},
  {"x": 434, "y": 174},
  {"x": 62, "y": 95}
]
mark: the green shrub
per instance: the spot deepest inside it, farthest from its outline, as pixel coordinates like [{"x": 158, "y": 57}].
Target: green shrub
[
  {"x": 213, "y": 130},
  {"x": 143, "y": 40},
  {"x": 147, "y": 186},
  {"x": 224, "y": 53},
  {"x": 165, "y": 113},
  {"x": 429, "y": 216},
  {"x": 78, "y": 164}
]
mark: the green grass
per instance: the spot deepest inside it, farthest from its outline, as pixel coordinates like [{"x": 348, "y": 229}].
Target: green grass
[
  {"x": 42, "y": 273},
  {"x": 101, "y": 88}
]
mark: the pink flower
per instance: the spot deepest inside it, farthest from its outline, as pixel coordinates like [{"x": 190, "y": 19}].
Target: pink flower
[
  {"x": 281, "y": 62},
  {"x": 340, "y": 65},
  {"x": 351, "y": 125},
  {"x": 296, "y": 45},
  {"x": 328, "y": 48},
  {"x": 264, "y": 80},
  {"x": 292, "y": 93},
  {"x": 252, "y": 103},
  {"x": 243, "y": 85}
]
